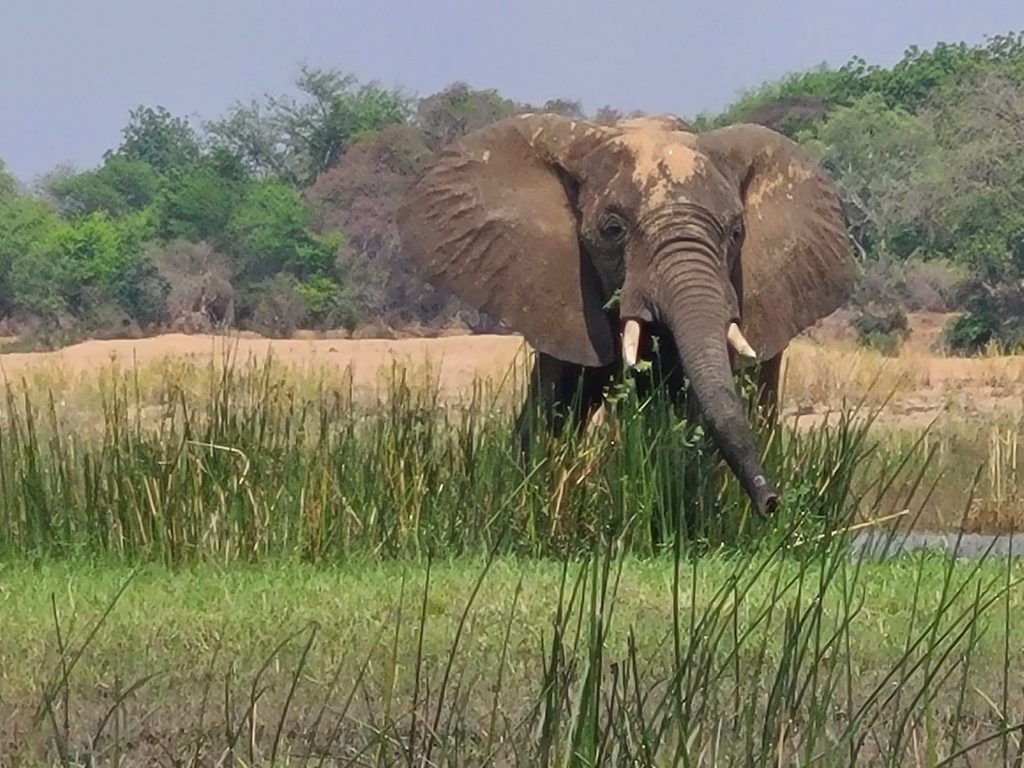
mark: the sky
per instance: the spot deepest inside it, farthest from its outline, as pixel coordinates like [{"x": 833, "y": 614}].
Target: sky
[{"x": 71, "y": 70}]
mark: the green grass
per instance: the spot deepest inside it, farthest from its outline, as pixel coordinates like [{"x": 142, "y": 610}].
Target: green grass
[
  {"x": 273, "y": 575},
  {"x": 815, "y": 658}
]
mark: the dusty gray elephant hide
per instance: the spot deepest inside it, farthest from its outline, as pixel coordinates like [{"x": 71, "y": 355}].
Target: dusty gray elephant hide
[{"x": 729, "y": 238}]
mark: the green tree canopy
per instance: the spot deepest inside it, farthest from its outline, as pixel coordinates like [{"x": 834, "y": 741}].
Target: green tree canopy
[
  {"x": 879, "y": 157},
  {"x": 8, "y": 184},
  {"x": 297, "y": 139},
  {"x": 118, "y": 187},
  {"x": 271, "y": 234},
  {"x": 166, "y": 143}
]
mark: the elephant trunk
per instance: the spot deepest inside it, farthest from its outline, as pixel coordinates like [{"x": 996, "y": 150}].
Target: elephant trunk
[{"x": 691, "y": 304}]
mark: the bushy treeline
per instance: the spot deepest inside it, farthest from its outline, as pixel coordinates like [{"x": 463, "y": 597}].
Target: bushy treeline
[
  {"x": 279, "y": 214},
  {"x": 274, "y": 217}
]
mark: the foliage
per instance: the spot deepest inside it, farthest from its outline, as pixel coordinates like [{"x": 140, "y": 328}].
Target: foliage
[
  {"x": 87, "y": 265},
  {"x": 118, "y": 187},
  {"x": 166, "y": 143},
  {"x": 23, "y": 222},
  {"x": 275, "y": 306},
  {"x": 459, "y": 109},
  {"x": 935, "y": 285},
  {"x": 200, "y": 293},
  {"x": 269, "y": 229},
  {"x": 882, "y": 326},
  {"x": 359, "y": 196},
  {"x": 879, "y": 157},
  {"x": 328, "y": 303},
  {"x": 199, "y": 205},
  {"x": 8, "y": 184},
  {"x": 298, "y": 139},
  {"x": 994, "y": 315}
]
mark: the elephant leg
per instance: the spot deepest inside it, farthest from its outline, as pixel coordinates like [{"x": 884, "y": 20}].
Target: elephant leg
[
  {"x": 768, "y": 390},
  {"x": 686, "y": 500},
  {"x": 560, "y": 394},
  {"x": 666, "y": 371}
]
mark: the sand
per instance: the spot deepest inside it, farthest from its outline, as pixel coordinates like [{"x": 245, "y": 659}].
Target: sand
[{"x": 823, "y": 364}]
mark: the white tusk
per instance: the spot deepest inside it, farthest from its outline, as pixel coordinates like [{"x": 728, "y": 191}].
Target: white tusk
[
  {"x": 630, "y": 342},
  {"x": 737, "y": 342}
]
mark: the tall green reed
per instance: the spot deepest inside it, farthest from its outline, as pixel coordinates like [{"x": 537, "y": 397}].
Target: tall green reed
[{"x": 260, "y": 465}]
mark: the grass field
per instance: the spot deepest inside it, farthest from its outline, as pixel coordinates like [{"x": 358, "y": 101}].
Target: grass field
[
  {"x": 774, "y": 660},
  {"x": 332, "y": 557}
]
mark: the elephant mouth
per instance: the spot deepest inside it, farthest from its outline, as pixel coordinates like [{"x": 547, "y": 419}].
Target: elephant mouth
[{"x": 631, "y": 334}]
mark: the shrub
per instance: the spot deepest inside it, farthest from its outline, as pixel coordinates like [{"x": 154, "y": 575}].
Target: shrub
[
  {"x": 968, "y": 333},
  {"x": 201, "y": 296},
  {"x": 882, "y": 325},
  {"x": 275, "y": 307},
  {"x": 103, "y": 317},
  {"x": 328, "y": 304},
  {"x": 933, "y": 285},
  {"x": 918, "y": 285},
  {"x": 995, "y": 314},
  {"x": 878, "y": 314}
]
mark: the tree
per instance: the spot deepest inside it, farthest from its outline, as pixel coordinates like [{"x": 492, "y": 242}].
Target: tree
[
  {"x": 564, "y": 107},
  {"x": 819, "y": 88},
  {"x": 299, "y": 139},
  {"x": 120, "y": 186},
  {"x": 153, "y": 136},
  {"x": 359, "y": 196},
  {"x": 85, "y": 267},
  {"x": 607, "y": 115},
  {"x": 199, "y": 205},
  {"x": 23, "y": 222},
  {"x": 459, "y": 109},
  {"x": 788, "y": 115},
  {"x": 270, "y": 230},
  {"x": 285, "y": 272},
  {"x": 8, "y": 184},
  {"x": 876, "y": 156},
  {"x": 981, "y": 124}
]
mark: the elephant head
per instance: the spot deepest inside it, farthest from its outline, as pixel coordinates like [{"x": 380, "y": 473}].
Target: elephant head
[{"x": 538, "y": 220}]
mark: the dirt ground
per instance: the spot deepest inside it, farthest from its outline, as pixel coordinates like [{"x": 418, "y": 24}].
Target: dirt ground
[{"x": 826, "y": 371}]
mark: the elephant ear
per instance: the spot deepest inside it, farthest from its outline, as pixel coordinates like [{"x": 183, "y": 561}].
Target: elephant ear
[
  {"x": 493, "y": 222},
  {"x": 797, "y": 265}
]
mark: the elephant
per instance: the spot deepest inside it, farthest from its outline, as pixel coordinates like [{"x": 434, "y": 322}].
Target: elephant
[{"x": 590, "y": 240}]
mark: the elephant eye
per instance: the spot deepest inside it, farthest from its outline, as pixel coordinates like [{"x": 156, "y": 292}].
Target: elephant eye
[
  {"x": 613, "y": 227},
  {"x": 736, "y": 231}
]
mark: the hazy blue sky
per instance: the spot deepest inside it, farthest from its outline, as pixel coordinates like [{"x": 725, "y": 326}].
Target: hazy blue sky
[{"x": 70, "y": 70}]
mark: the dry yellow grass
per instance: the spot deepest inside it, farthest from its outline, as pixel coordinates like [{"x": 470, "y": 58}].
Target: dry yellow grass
[
  {"x": 77, "y": 376},
  {"x": 825, "y": 372}
]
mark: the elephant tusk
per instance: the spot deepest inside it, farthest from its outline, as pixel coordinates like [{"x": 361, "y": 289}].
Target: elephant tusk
[
  {"x": 738, "y": 342},
  {"x": 630, "y": 342}
]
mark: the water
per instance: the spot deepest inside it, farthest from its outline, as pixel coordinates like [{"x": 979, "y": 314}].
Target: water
[{"x": 878, "y": 544}]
